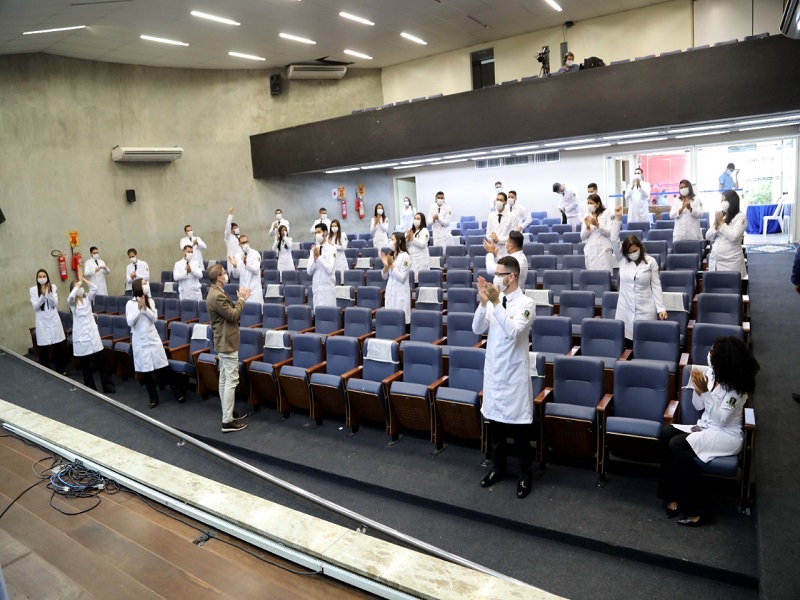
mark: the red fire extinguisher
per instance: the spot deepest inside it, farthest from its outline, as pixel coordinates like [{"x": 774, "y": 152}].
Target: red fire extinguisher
[
  {"x": 360, "y": 207},
  {"x": 62, "y": 266},
  {"x": 77, "y": 262},
  {"x": 344, "y": 208}
]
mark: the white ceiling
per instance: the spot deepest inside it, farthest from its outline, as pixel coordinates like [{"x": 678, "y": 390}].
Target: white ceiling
[{"x": 113, "y": 28}]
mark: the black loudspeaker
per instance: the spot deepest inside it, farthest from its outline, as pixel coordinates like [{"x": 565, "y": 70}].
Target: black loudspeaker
[
  {"x": 130, "y": 195},
  {"x": 275, "y": 85},
  {"x": 2, "y": 217}
]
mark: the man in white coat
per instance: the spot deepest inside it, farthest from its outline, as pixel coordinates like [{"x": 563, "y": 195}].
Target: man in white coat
[
  {"x": 513, "y": 248},
  {"x": 637, "y": 195},
  {"x": 439, "y": 215},
  {"x": 507, "y": 314},
  {"x": 95, "y": 271},
  {"x": 568, "y": 205},
  {"x": 522, "y": 214},
  {"x": 278, "y": 223},
  {"x": 321, "y": 267},
  {"x": 137, "y": 269},
  {"x": 196, "y": 243},
  {"x": 247, "y": 267},
  {"x": 499, "y": 224},
  {"x": 187, "y": 273},
  {"x": 323, "y": 218},
  {"x": 231, "y": 236}
]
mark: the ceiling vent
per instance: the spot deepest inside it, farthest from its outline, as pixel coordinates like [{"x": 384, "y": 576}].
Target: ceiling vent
[
  {"x": 295, "y": 72},
  {"x": 123, "y": 154}
]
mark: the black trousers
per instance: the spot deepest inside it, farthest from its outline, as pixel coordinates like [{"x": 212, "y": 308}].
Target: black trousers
[
  {"x": 522, "y": 435},
  {"x": 55, "y": 352},
  {"x": 88, "y": 377},
  {"x": 680, "y": 477},
  {"x": 163, "y": 374}
]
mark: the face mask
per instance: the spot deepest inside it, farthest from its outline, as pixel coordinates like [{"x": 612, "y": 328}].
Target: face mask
[
  {"x": 684, "y": 192},
  {"x": 334, "y": 230},
  {"x": 146, "y": 290},
  {"x": 637, "y": 175},
  {"x": 708, "y": 358},
  {"x": 245, "y": 248},
  {"x": 392, "y": 244},
  {"x": 80, "y": 292},
  {"x": 499, "y": 206},
  {"x": 323, "y": 216},
  {"x": 498, "y": 283},
  {"x": 417, "y": 222},
  {"x": 42, "y": 280},
  {"x": 96, "y": 256},
  {"x": 134, "y": 260},
  {"x": 236, "y": 231},
  {"x": 440, "y": 201},
  {"x": 512, "y": 201},
  {"x": 278, "y": 216},
  {"x": 189, "y": 255},
  {"x": 379, "y": 211},
  {"x": 569, "y": 63},
  {"x": 224, "y": 279},
  {"x": 591, "y": 207},
  {"x": 319, "y": 238},
  {"x": 406, "y": 203},
  {"x": 498, "y": 188},
  {"x": 634, "y": 256},
  {"x": 189, "y": 233},
  {"x": 724, "y": 205},
  {"x": 730, "y": 171}
]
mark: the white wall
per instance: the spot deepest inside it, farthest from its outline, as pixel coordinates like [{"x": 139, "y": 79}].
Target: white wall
[{"x": 719, "y": 20}]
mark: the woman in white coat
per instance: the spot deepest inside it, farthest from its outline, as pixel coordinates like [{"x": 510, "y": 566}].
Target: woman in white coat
[
  {"x": 283, "y": 246},
  {"x": 379, "y": 228},
  {"x": 86, "y": 342},
  {"x": 50, "y": 338},
  {"x": 596, "y": 232},
  {"x": 339, "y": 241},
  {"x": 686, "y": 213},
  {"x": 439, "y": 216},
  {"x": 396, "y": 265},
  {"x": 640, "y": 297},
  {"x": 407, "y": 218},
  {"x": 417, "y": 241},
  {"x": 721, "y": 396},
  {"x": 149, "y": 358},
  {"x": 726, "y": 235}
]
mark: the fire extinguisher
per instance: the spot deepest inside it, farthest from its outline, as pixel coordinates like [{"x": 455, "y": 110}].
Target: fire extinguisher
[
  {"x": 77, "y": 262},
  {"x": 344, "y": 208},
  {"x": 360, "y": 207},
  {"x": 62, "y": 266}
]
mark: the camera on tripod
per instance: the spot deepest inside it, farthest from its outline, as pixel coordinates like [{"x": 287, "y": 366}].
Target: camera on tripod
[{"x": 543, "y": 56}]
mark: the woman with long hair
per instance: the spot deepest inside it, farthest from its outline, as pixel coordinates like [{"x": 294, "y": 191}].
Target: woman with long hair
[
  {"x": 686, "y": 212},
  {"x": 721, "y": 394},
  {"x": 596, "y": 232},
  {"x": 379, "y": 228},
  {"x": 339, "y": 241},
  {"x": 86, "y": 342},
  {"x": 283, "y": 246},
  {"x": 407, "y": 218},
  {"x": 50, "y": 337},
  {"x": 417, "y": 240},
  {"x": 396, "y": 265},
  {"x": 726, "y": 235}
]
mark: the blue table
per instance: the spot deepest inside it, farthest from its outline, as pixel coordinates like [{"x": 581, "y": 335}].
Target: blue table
[{"x": 755, "y": 218}]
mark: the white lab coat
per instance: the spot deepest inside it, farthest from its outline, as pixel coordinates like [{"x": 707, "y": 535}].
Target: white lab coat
[
  {"x": 318, "y": 221},
  {"x": 95, "y": 271},
  {"x": 569, "y": 204},
  {"x": 380, "y": 232},
  {"x": 640, "y": 297},
  {"x": 142, "y": 271},
  {"x": 598, "y": 249},
  {"x": 148, "y": 350},
  {"x": 687, "y": 222},
  {"x": 522, "y": 214},
  {"x": 418, "y": 251},
  {"x": 721, "y": 422},
  {"x": 726, "y": 245},
  {"x": 491, "y": 266},
  {"x": 398, "y": 292},
  {"x": 323, "y": 275},
  {"x": 507, "y": 390},
  {"x": 197, "y": 251},
  {"x": 502, "y": 224},
  {"x": 273, "y": 229},
  {"x": 341, "y": 259},
  {"x": 249, "y": 275},
  {"x": 285, "y": 260},
  {"x": 407, "y": 218},
  {"x": 231, "y": 240},
  {"x": 441, "y": 226},
  {"x": 85, "y": 335},
  {"x": 638, "y": 199},
  {"x": 188, "y": 283},
  {"x": 49, "y": 329}
]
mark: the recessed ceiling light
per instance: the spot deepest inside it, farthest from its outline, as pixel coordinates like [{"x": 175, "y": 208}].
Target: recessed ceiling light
[
  {"x": 493, "y": 157},
  {"x": 767, "y": 120},
  {"x": 768, "y": 126},
  {"x": 447, "y": 162},
  {"x": 413, "y": 38},
  {"x": 383, "y": 166},
  {"x": 520, "y": 149},
  {"x": 347, "y": 15},
  {"x": 295, "y": 38},
  {"x": 630, "y": 135},
  {"x": 554, "y": 4},
  {"x": 202, "y": 15},
  {"x": 570, "y": 142},
  {"x": 587, "y": 146},
  {"x": 418, "y": 160},
  {"x": 342, "y": 170},
  {"x": 53, "y": 30},
  {"x": 655, "y": 139},
  {"x": 358, "y": 54},
  {"x": 698, "y": 128},
  {"x": 465, "y": 155},
  {"x": 150, "y": 38},
  {"x": 248, "y": 56},
  {"x": 698, "y": 133}
]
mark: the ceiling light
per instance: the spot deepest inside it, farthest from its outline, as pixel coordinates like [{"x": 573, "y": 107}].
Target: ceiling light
[
  {"x": 342, "y": 170},
  {"x": 586, "y": 147},
  {"x": 554, "y": 4},
  {"x": 202, "y": 15},
  {"x": 768, "y": 120},
  {"x": 698, "y": 133},
  {"x": 250, "y": 56},
  {"x": 447, "y": 162},
  {"x": 531, "y": 153},
  {"x": 406, "y": 167},
  {"x": 570, "y": 142},
  {"x": 465, "y": 155},
  {"x": 699, "y": 128},
  {"x": 383, "y": 166},
  {"x": 521, "y": 148},
  {"x": 418, "y": 160},
  {"x": 655, "y": 139},
  {"x": 413, "y": 38},
  {"x": 493, "y": 157},
  {"x": 358, "y": 54},
  {"x": 355, "y": 18},
  {"x": 630, "y": 135},
  {"x": 150, "y": 38},
  {"x": 768, "y": 126},
  {"x": 53, "y": 30},
  {"x": 289, "y": 36}
]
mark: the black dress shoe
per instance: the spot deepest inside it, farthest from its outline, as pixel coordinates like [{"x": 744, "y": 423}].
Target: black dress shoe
[
  {"x": 237, "y": 416},
  {"x": 523, "y": 488},
  {"x": 672, "y": 512},
  {"x": 687, "y": 522},
  {"x": 493, "y": 477},
  {"x": 153, "y": 403},
  {"x": 109, "y": 390}
]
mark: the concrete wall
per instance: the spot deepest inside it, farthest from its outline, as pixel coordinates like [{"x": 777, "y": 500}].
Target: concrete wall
[{"x": 59, "y": 119}]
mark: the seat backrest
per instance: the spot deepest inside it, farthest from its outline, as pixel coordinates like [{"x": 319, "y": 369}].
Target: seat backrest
[
  {"x": 561, "y": 249},
  {"x": 166, "y": 276},
  {"x": 722, "y": 282},
  {"x": 609, "y": 305},
  {"x": 369, "y": 252},
  {"x": 531, "y": 279},
  {"x": 665, "y": 224},
  {"x": 390, "y": 323},
  {"x": 459, "y": 329},
  {"x": 99, "y": 303},
  {"x": 557, "y": 281},
  {"x": 294, "y": 294},
  {"x": 274, "y": 316},
  {"x": 251, "y": 342},
  {"x": 462, "y": 300},
  {"x": 431, "y": 278},
  {"x": 725, "y": 309},
  {"x": 277, "y": 346},
  {"x": 172, "y": 308},
  {"x": 205, "y": 339},
  {"x": 189, "y": 310},
  {"x": 455, "y": 251},
  {"x": 179, "y": 333},
  {"x": 307, "y": 350},
  {"x": 638, "y": 225},
  {"x": 422, "y": 363},
  {"x": 664, "y": 235},
  {"x": 577, "y": 305},
  {"x": 120, "y": 327},
  {"x": 156, "y": 289},
  {"x": 427, "y": 302},
  {"x": 271, "y": 276},
  {"x": 354, "y": 278},
  {"x": 549, "y": 237},
  {"x": 341, "y": 354},
  {"x": 230, "y": 289},
  {"x": 251, "y": 315},
  {"x": 426, "y": 326},
  {"x": 689, "y": 247},
  {"x": 552, "y": 334},
  {"x": 575, "y": 263},
  {"x": 641, "y": 390},
  {"x": 458, "y": 278},
  {"x": 357, "y": 321},
  {"x": 689, "y": 262},
  {"x": 458, "y": 262},
  {"x": 703, "y": 338},
  {"x": 688, "y": 413},
  {"x": 598, "y": 282},
  {"x": 373, "y": 278},
  {"x": 602, "y": 337},
  {"x": 466, "y": 368},
  {"x": 572, "y": 237},
  {"x": 577, "y": 380},
  {"x": 657, "y": 340},
  {"x": 537, "y": 382},
  {"x": 368, "y": 296},
  {"x": 306, "y": 279},
  {"x": 202, "y": 312},
  {"x": 290, "y": 277},
  {"x": 378, "y": 370},
  {"x": 299, "y": 316},
  {"x": 657, "y": 248},
  {"x": 533, "y": 249},
  {"x": 161, "y": 329},
  {"x": 542, "y": 263},
  {"x": 269, "y": 263},
  {"x": 327, "y": 319},
  {"x": 681, "y": 280},
  {"x": 626, "y": 232}
]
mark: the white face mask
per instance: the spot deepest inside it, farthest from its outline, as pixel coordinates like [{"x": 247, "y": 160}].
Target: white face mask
[
  {"x": 569, "y": 63},
  {"x": 379, "y": 211},
  {"x": 440, "y": 201},
  {"x": 188, "y": 256},
  {"x": 591, "y": 208},
  {"x": 684, "y": 192},
  {"x": 417, "y": 222},
  {"x": 323, "y": 217},
  {"x": 134, "y": 260},
  {"x": 634, "y": 256},
  {"x": 512, "y": 201},
  {"x": 319, "y": 238},
  {"x": 637, "y": 175},
  {"x": 724, "y": 206},
  {"x": 392, "y": 244},
  {"x": 334, "y": 229},
  {"x": 41, "y": 280},
  {"x": 499, "y": 206},
  {"x": 236, "y": 231},
  {"x": 278, "y": 216},
  {"x": 146, "y": 290},
  {"x": 80, "y": 292},
  {"x": 189, "y": 233},
  {"x": 498, "y": 188},
  {"x": 498, "y": 283},
  {"x": 708, "y": 358},
  {"x": 406, "y": 203},
  {"x": 245, "y": 248},
  {"x": 224, "y": 278},
  {"x": 96, "y": 256}
]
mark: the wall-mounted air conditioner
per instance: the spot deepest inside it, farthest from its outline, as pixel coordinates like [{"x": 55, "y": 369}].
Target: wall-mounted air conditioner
[
  {"x": 123, "y": 154},
  {"x": 316, "y": 72}
]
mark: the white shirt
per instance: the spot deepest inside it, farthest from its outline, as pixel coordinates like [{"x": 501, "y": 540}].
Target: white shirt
[
  {"x": 380, "y": 232},
  {"x": 49, "y": 329},
  {"x": 441, "y": 226},
  {"x": 491, "y": 266},
  {"x": 85, "y": 335},
  {"x": 249, "y": 275},
  {"x": 599, "y": 245},
  {"x": 327, "y": 222},
  {"x": 638, "y": 197},
  {"x": 398, "y": 292},
  {"x": 569, "y": 204},
  {"x": 418, "y": 251},
  {"x": 640, "y": 297},
  {"x": 407, "y": 219},
  {"x": 323, "y": 275},
  {"x": 522, "y": 214},
  {"x": 148, "y": 349},
  {"x": 341, "y": 259},
  {"x": 95, "y": 271},
  {"x": 507, "y": 389},
  {"x": 502, "y": 224},
  {"x": 687, "y": 221},
  {"x": 726, "y": 245},
  {"x": 285, "y": 260},
  {"x": 231, "y": 240},
  {"x": 277, "y": 224},
  {"x": 197, "y": 251},
  {"x": 141, "y": 271},
  {"x": 188, "y": 282}
]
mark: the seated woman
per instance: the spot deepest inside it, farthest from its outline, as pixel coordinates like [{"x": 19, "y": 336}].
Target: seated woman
[{"x": 721, "y": 396}]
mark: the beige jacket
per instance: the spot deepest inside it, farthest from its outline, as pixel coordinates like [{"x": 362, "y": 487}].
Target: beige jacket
[{"x": 225, "y": 316}]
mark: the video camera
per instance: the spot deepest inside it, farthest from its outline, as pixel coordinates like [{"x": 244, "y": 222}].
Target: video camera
[{"x": 543, "y": 56}]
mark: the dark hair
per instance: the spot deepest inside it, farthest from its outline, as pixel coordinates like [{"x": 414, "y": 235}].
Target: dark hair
[
  {"x": 513, "y": 192},
  {"x": 633, "y": 240},
  {"x": 516, "y": 238},
  {"x": 92, "y": 249},
  {"x": 321, "y": 226},
  {"x": 280, "y": 210},
  {"x": 383, "y": 216},
  {"x": 733, "y": 205},
  {"x": 320, "y": 210},
  {"x": 593, "y": 184},
  {"x": 214, "y": 271},
  {"x": 337, "y": 237},
  {"x": 410, "y": 204},
  {"x": 731, "y": 166},
  {"x": 423, "y": 224},
  {"x": 638, "y": 169},
  {"x": 556, "y": 187},
  {"x": 734, "y": 365},
  {"x": 37, "y": 279},
  {"x": 569, "y": 54},
  {"x": 512, "y": 264},
  {"x": 399, "y": 243},
  {"x": 132, "y": 250},
  {"x": 437, "y": 193},
  {"x": 234, "y": 226},
  {"x": 504, "y": 195},
  {"x": 185, "y": 246},
  {"x": 184, "y": 228},
  {"x": 281, "y": 229},
  {"x": 137, "y": 291},
  {"x": 601, "y": 208},
  {"x": 689, "y": 185}
]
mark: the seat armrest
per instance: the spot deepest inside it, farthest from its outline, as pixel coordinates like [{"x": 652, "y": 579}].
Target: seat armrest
[
  {"x": 440, "y": 342},
  {"x": 684, "y": 361},
  {"x": 281, "y": 328},
  {"x": 543, "y": 396},
  {"x": 481, "y": 344},
  {"x": 361, "y": 338},
  {"x": 256, "y": 326},
  {"x": 168, "y": 321},
  {"x": 576, "y": 351},
  {"x": 749, "y": 419},
  {"x": 405, "y": 336},
  {"x": 308, "y": 330},
  {"x": 352, "y": 373},
  {"x": 198, "y": 353},
  {"x": 336, "y": 332},
  {"x": 197, "y": 320},
  {"x": 279, "y": 365},
  {"x": 746, "y": 327},
  {"x": 392, "y": 378},
  {"x": 127, "y": 340},
  {"x": 626, "y": 355},
  {"x": 104, "y": 337},
  {"x": 319, "y": 367},
  {"x": 691, "y": 323},
  {"x": 178, "y": 352},
  {"x": 605, "y": 403},
  {"x": 250, "y": 359},
  {"x": 669, "y": 414},
  {"x": 437, "y": 384}
]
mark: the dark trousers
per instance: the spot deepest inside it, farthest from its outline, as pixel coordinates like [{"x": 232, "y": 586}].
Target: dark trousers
[
  {"x": 55, "y": 352},
  {"x": 88, "y": 377},
  {"x": 522, "y": 435},
  {"x": 163, "y": 375},
  {"x": 679, "y": 478}
]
